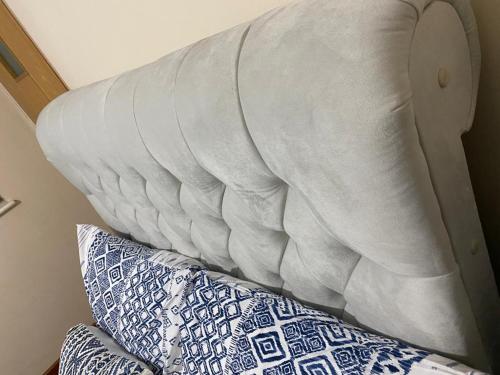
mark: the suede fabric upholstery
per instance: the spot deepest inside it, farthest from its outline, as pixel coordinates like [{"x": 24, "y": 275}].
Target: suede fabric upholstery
[{"x": 285, "y": 151}]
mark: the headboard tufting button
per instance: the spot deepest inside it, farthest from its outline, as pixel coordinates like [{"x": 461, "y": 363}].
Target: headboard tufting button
[
  {"x": 443, "y": 77},
  {"x": 475, "y": 248}
]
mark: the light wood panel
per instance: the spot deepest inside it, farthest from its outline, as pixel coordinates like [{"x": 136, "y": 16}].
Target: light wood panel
[{"x": 40, "y": 83}]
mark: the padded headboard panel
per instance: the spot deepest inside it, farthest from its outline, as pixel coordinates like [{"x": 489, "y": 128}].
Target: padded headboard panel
[{"x": 304, "y": 151}]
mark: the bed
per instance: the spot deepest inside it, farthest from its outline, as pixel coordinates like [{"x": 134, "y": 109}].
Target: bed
[{"x": 315, "y": 151}]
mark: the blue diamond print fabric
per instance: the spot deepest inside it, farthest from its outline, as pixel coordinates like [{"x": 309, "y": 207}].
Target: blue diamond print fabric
[
  {"x": 284, "y": 337},
  {"x": 136, "y": 294},
  {"x": 213, "y": 308},
  {"x": 231, "y": 327},
  {"x": 180, "y": 318}
]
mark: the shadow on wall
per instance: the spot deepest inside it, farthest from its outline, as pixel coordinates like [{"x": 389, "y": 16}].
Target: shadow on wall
[{"x": 482, "y": 143}]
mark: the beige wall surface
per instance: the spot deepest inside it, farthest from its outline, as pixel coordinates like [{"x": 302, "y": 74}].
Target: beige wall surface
[
  {"x": 41, "y": 288},
  {"x": 89, "y": 40}
]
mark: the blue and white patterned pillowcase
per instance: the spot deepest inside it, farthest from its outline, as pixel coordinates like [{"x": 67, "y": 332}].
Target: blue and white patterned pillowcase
[
  {"x": 85, "y": 353},
  {"x": 234, "y": 327},
  {"x": 182, "y": 319},
  {"x": 135, "y": 294}
]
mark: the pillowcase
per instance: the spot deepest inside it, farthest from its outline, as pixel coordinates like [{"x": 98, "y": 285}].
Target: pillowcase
[
  {"x": 135, "y": 293},
  {"x": 181, "y": 318},
  {"x": 234, "y": 327},
  {"x": 89, "y": 351}
]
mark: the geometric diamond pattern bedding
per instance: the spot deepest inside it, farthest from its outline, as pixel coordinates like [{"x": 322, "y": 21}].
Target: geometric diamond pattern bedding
[
  {"x": 277, "y": 336},
  {"x": 180, "y": 318},
  {"x": 132, "y": 293},
  {"x": 83, "y": 353}
]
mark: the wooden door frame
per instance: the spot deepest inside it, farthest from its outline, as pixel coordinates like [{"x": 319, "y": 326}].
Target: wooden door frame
[{"x": 40, "y": 83}]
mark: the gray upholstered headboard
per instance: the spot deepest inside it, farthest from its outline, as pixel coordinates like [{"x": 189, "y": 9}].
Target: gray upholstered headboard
[{"x": 316, "y": 151}]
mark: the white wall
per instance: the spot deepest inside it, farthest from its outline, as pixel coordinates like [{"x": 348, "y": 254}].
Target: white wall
[
  {"x": 89, "y": 40},
  {"x": 41, "y": 288}
]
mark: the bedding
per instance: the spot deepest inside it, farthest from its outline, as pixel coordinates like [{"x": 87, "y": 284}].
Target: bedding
[
  {"x": 180, "y": 318},
  {"x": 134, "y": 293},
  {"x": 88, "y": 351}
]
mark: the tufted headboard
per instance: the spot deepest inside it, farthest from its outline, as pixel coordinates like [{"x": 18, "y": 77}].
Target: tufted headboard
[{"x": 315, "y": 150}]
